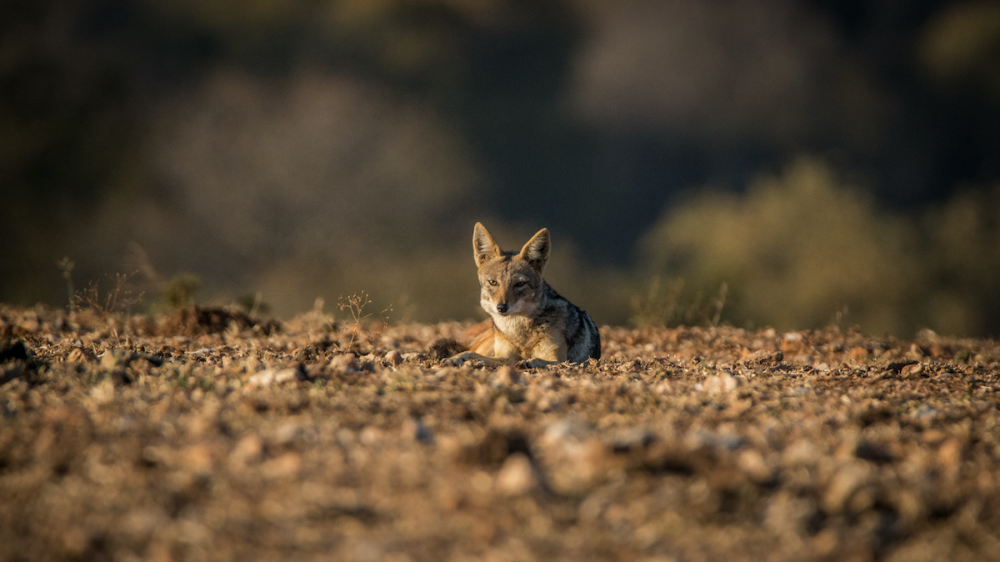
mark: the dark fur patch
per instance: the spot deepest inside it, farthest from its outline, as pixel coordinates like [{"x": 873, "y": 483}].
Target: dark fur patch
[
  {"x": 444, "y": 348},
  {"x": 579, "y": 325}
]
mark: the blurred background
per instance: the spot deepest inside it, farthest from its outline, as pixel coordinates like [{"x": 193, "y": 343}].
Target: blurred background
[{"x": 760, "y": 163}]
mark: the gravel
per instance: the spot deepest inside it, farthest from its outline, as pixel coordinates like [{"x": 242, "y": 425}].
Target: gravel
[{"x": 190, "y": 438}]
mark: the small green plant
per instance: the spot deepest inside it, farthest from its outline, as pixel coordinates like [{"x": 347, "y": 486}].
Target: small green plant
[{"x": 179, "y": 291}]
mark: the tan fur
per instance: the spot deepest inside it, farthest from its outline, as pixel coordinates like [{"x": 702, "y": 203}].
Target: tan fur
[{"x": 529, "y": 318}]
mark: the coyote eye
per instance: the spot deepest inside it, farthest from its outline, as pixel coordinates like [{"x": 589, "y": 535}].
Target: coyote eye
[
  {"x": 520, "y": 284},
  {"x": 492, "y": 282}
]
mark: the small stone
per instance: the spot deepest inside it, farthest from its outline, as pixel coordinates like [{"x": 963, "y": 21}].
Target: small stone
[
  {"x": 154, "y": 455},
  {"x": 754, "y": 466},
  {"x": 950, "y": 454},
  {"x": 285, "y": 434},
  {"x": 104, "y": 392},
  {"x": 344, "y": 362},
  {"x": 516, "y": 476},
  {"x": 415, "y": 429},
  {"x": 569, "y": 428},
  {"x": 393, "y": 358},
  {"x": 370, "y": 436},
  {"x": 285, "y": 466},
  {"x": 722, "y": 382},
  {"x": 631, "y": 439},
  {"x": 847, "y": 481},
  {"x": 697, "y": 439},
  {"x": 267, "y": 377},
  {"x": 197, "y": 459},
  {"x": 109, "y": 359},
  {"x": 285, "y": 375},
  {"x": 858, "y": 353},
  {"x": 262, "y": 378},
  {"x": 792, "y": 341},
  {"x": 248, "y": 449},
  {"x": 506, "y": 376},
  {"x": 912, "y": 370},
  {"x": 762, "y": 358},
  {"x": 251, "y": 364},
  {"x": 801, "y": 452}
]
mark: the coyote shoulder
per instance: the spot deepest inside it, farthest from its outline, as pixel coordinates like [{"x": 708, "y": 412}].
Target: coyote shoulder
[{"x": 531, "y": 322}]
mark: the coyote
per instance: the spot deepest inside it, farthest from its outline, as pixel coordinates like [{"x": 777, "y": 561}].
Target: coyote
[{"x": 532, "y": 324}]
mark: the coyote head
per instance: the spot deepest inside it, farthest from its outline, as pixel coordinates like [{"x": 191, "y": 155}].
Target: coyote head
[{"x": 511, "y": 282}]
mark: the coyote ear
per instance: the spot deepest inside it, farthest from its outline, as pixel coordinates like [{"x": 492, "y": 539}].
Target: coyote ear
[
  {"x": 484, "y": 246},
  {"x": 536, "y": 251}
]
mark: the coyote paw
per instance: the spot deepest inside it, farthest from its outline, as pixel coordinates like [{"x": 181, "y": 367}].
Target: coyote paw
[
  {"x": 460, "y": 359},
  {"x": 535, "y": 364}
]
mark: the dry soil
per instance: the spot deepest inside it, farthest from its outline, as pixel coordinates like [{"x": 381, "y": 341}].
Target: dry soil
[{"x": 207, "y": 435}]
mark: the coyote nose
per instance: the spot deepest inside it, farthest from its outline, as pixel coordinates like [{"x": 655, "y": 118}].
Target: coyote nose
[{"x": 502, "y": 307}]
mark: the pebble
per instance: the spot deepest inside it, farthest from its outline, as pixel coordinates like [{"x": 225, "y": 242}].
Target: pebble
[
  {"x": 393, "y": 358},
  {"x": 415, "y": 429},
  {"x": 631, "y": 439},
  {"x": 344, "y": 362},
  {"x": 722, "y": 382},
  {"x": 285, "y": 466},
  {"x": 248, "y": 449},
  {"x": 506, "y": 376},
  {"x": 267, "y": 377},
  {"x": 516, "y": 477},
  {"x": 846, "y": 481},
  {"x": 754, "y": 466},
  {"x": 569, "y": 428}
]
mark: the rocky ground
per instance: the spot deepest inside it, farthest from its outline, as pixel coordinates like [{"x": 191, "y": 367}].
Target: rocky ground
[{"x": 207, "y": 435}]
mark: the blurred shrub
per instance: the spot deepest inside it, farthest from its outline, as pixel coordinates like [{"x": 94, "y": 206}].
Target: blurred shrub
[
  {"x": 801, "y": 250},
  {"x": 963, "y": 241},
  {"x": 796, "y": 251},
  {"x": 179, "y": 291},
  {"x": 962, "y": 44}
]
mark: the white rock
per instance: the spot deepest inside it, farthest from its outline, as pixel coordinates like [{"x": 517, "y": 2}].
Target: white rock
[
  {"x": 261, "y": 378},
  {"x": 285, "y": 375},
  {"x": 722, "y": 382}
]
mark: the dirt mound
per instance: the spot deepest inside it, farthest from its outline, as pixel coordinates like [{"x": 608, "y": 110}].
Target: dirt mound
[{"x": 199, "y": 320}]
